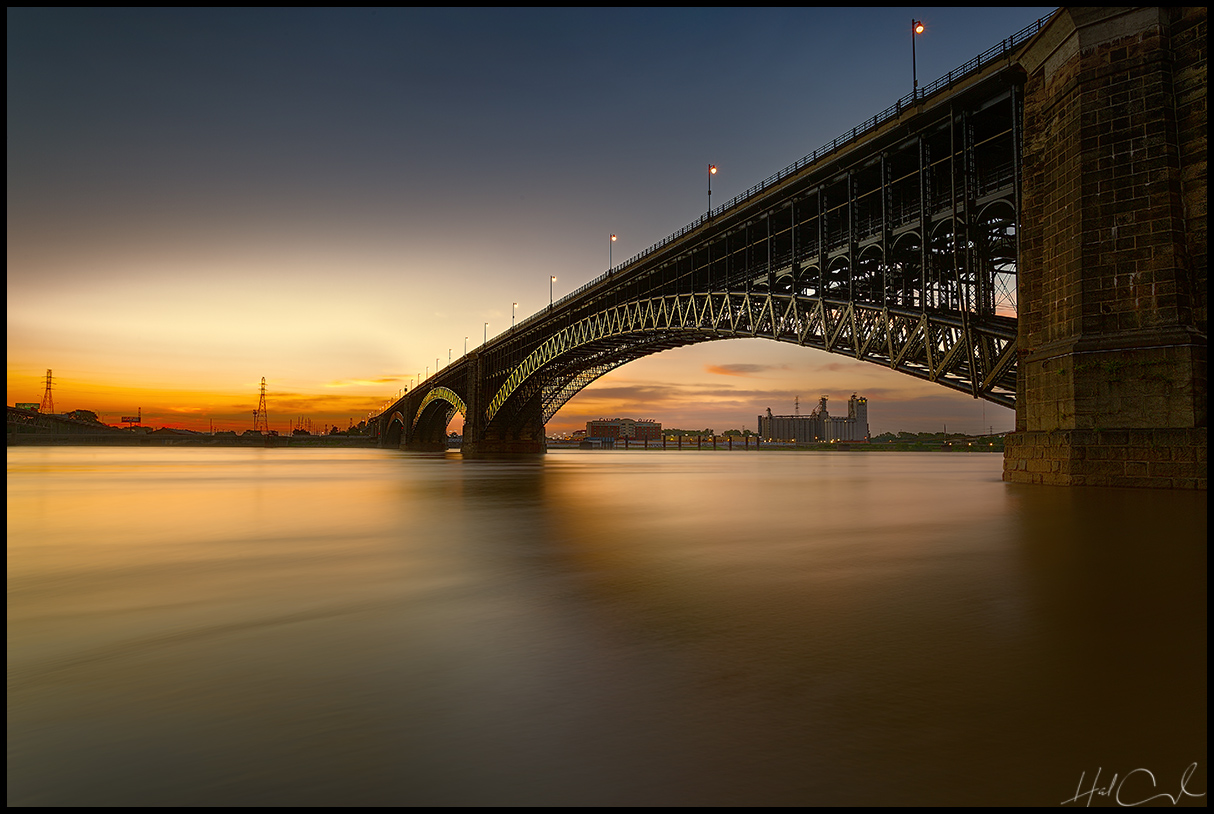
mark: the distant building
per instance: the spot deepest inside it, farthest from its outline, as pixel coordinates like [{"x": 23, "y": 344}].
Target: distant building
[
  {"x": 624, "y": 428},
  {"x": 818, "y": 426}
]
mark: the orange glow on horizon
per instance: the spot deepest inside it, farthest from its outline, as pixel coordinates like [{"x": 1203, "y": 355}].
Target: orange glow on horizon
[{"x": 202, "y": 409}]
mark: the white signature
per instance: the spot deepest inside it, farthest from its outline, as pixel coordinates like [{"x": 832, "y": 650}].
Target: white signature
[{"x": 1115, "y": 789}]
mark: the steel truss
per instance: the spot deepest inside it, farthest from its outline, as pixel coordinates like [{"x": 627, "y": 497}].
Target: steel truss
[{"x": 942, "y": 348}]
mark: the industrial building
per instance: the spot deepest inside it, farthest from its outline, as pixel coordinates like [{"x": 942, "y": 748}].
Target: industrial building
[{"x": 819, "y": 426}]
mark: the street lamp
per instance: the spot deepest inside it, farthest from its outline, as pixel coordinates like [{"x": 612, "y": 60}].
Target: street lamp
[
  {"x": 550, "y": 282},
  {"x": 513, "y": 307},
  {"x": 465, "y": 346},
  {"x": 916, "y": 28},
  {"x": 712, "y": 170},
  {"x": 486, "y": 339},
  {"x": 610, "y": 246}
]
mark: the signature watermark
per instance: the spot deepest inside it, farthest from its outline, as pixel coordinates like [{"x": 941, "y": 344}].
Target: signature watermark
[{"x": 1135, "y": 789}]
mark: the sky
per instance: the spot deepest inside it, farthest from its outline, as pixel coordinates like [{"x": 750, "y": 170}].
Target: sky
[{"x": 337, "y": 200}]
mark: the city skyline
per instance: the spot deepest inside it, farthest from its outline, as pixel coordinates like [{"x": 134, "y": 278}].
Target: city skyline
[{"x": 343, "y": 199}]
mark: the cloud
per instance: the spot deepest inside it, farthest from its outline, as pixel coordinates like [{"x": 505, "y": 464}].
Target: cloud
[
  {"x": 634, "y": 393},
  {"x": 741, "y": 370},
  {"x": 366, "y": 382}
]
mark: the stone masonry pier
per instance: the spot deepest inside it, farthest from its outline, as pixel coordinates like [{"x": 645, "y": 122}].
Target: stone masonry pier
[{"x": 1111, "y": 376}]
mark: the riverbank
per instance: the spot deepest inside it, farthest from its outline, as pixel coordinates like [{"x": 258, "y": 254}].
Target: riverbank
[
  {"x": 692, "y": 443},
  {"x": 359, "y": 441},
  {"x": 151, "y": 440}
]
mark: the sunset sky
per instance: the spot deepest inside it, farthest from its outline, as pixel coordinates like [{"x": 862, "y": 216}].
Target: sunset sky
[{"x": 335, "y": 199}]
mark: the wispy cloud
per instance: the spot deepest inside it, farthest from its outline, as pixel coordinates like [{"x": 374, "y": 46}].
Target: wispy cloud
[
  {"x": 741, "y": 369},
  {"x": 382, "y": 380}
]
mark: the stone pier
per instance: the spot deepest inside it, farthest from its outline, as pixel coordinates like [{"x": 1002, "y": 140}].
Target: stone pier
[{"x": 1112, "y": 273}]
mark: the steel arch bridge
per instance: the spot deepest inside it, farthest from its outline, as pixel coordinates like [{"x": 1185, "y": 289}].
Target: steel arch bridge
[{"x": 896, "y": 244}]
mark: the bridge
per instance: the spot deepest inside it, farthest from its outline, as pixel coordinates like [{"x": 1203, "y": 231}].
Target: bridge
[{"x": 1029, "y": 229}]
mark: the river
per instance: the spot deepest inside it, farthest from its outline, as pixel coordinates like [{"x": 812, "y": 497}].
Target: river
[{"x": 371, "y": 627}]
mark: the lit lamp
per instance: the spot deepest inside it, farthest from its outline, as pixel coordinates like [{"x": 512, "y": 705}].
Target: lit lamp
[
  {"x": 712, "y": 170},
  {"x": 610, "y": 246},
  {"x": 916, "y": 28},
  {"x": 550, "y": 282}
]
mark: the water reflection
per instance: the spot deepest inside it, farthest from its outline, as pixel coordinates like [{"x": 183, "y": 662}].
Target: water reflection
[{"x": 369, "y": 627}]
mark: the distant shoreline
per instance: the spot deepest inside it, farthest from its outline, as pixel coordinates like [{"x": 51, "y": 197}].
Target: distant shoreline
[
  {"x": 367, "y": 442},
  {"x": 296, "y": 441}
]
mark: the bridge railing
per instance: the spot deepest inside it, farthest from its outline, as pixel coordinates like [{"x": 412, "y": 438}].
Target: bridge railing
[{"x": 1000, "y": 51}]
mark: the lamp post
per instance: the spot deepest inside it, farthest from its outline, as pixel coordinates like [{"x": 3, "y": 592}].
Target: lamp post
[
  {"x": 465, "y": 346},
  {"x": 712, "y": 170},
  {"x": 610, "y": 246},
  {"x": 550, "y": 282},
  {"x": 513, "y": 308},
  {"x": 916, "y": 28},
  {"x": 485, "y": 341}
]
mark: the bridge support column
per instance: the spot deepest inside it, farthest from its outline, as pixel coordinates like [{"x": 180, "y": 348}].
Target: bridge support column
[
  {"x": 1112, "y": 273},
  {"x": 480, "y": 439}
]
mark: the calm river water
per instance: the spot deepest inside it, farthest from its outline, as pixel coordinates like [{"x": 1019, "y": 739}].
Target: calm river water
[{"x": 310, "y": 626}]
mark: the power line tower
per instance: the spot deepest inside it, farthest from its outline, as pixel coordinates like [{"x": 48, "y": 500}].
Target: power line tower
[
  {"x": 261, "y": 421},
  {"x": 48, "y": 402}
]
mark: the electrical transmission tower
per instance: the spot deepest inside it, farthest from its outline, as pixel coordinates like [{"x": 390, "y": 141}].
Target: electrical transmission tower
[
  {"x": 260, "y": 420},
  {"x": 48, "y": 402}
]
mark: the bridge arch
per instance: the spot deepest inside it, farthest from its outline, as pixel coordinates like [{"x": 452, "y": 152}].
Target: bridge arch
[
  {"x": 972, "y": 356},
  {"x": 996, "y": 241},
  {"x": 870, "y": 265},
  {"x": 394, "y": 430},
  {"x": 434, "y": 413}
]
